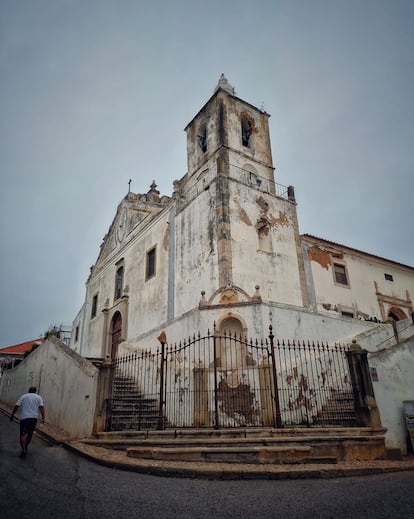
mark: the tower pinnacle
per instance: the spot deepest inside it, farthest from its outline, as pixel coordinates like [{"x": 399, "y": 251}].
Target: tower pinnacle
[{"x": 225, "y": 85}]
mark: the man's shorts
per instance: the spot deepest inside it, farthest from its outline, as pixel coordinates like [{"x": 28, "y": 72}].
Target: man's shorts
[{"x": 27, "y": 426}]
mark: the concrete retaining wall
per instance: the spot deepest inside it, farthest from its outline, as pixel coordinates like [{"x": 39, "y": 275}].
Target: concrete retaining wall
[
  {"x": 395, "y": 371},
  {"x": 66, "y": 381}
]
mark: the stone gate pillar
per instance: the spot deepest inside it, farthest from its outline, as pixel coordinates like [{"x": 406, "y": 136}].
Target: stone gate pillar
[
  {"x": 103, "y": 397},
  {"x": 201, "y": 415},
  {"x": 366, "y": 409},
  {"x": 266, "y": 388}
]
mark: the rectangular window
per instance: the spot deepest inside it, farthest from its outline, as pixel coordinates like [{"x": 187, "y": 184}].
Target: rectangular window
[
  {"x": 119, "y": 282},
  {"x": 340, "y": 274},
  {"x": 150, "y": 264},
  {"x": 388, "y": 277},
  {"x": 94, "y": 306},
  {"x": 77, "y": 334}
]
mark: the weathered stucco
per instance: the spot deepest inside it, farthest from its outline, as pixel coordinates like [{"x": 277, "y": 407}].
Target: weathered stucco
[
  {"x": 66, "y": 381},
  {"x": 395, "y": 371},
  {"x": 368, "y": 294}
]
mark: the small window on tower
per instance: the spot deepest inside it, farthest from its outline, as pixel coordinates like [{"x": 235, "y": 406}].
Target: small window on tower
[
  {"x": 246, "y": 131},
  {"x": 150, "y": 265},
  {"x": 388, "y": 277},
  {"x": 202, "y": 138}
]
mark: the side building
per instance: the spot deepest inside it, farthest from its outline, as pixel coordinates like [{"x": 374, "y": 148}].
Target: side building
[{"x": 351, "y": 283}]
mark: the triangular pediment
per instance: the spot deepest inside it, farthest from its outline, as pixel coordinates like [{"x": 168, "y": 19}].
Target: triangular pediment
[{"x": 130, "y": 214}]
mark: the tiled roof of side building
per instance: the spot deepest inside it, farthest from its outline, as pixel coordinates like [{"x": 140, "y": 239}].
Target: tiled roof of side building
[{"x": 21, "y": 347}]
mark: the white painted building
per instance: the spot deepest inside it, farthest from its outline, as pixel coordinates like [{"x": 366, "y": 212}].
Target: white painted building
[
  {"x": 348, "y": 282},
  {"x": 225, "y": 248}
]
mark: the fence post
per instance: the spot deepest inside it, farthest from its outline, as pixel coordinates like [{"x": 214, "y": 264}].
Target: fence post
[
  {"x": 366, "y": 409},
  {"x": 161, "y": 422},
  {"x": 278, "y": 422},
  {"x": 216, "y": 413}
]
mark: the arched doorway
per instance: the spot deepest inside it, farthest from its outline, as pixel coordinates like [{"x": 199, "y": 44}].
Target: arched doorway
[
  {"x": 116, "y": 334},
  {"x": 397, "y": 314}
]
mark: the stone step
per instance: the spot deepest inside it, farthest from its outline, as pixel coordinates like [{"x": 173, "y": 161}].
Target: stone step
[
  {"x": 140, "y": 439},
  {"x": 129, "y": 410},
  {"x": 251, "y": 454},
  {"x": 137, "y": 419},
  {"x": 261, "y": 445},
  {"x": 135, "y": 402},
  {"x": 250, "y": 432}
]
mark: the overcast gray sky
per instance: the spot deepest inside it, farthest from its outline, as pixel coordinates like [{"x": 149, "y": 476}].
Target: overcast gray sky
[{"x": 93, "y": 93}]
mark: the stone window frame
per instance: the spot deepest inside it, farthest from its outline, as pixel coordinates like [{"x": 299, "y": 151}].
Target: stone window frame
[
  {"x": 345, "y": 272},
  {"x": 202, "y": 138},
  {"x": 94, "y": 308},
  {"x": 119, "y": 279},
  {"x": 151, "y": 264},
  {"x": 264, "y": 236},
  {"x": 247, "y": 119}
]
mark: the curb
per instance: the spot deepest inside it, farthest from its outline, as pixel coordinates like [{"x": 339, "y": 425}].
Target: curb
[{"x": 218, "y": 471}]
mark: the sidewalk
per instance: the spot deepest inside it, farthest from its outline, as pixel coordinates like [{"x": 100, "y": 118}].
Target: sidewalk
[{"x": 118, "y": 459}]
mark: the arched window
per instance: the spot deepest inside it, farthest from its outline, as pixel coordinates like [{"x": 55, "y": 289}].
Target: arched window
[
  {"x": 246, "y": 131},
  {"x": 202, "y": 138}
]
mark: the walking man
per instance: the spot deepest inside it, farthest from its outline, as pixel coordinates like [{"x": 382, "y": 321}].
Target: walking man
[{"x": 29, "y": 404}]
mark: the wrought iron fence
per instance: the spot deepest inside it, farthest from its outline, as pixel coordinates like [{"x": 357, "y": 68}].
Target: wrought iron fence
[{"x": 222, "y": 380}]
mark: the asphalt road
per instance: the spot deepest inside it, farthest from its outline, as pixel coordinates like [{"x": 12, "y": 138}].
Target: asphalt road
[{"x": 52, "y": 482}]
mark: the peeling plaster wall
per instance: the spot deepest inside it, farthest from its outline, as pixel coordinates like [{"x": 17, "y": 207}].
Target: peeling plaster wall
[
  {"x": 196, "y": 251},
  {"x": 365, "y": 276},
  {"x": 66, "y": 382},
  {"x": 288, "y": 323},
  {"x": 395, "y": 370},
  {"x": 147, "y": 298},
  {"x": 275, "y": 271}
]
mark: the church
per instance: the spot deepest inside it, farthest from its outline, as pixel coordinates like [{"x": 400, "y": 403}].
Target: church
[
  {"x": 208, "y": 310},
  {"x": 225, "y": 251}
]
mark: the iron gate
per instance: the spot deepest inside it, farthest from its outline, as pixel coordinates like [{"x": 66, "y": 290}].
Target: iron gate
[{"x": 222, "y": 380}]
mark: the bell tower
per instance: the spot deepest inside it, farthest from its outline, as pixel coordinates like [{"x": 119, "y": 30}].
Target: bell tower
[
  {"x": 228, "y": 142},
  {"x": 230, "y": 130}
]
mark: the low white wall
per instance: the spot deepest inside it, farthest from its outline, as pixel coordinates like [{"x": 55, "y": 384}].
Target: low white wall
[
  {"x": 395, "y": 370},
  {"x": 289, "y": 323},
  {"x": 66, "y": 381}
]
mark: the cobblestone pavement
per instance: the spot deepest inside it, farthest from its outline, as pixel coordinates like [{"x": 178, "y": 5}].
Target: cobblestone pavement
[{"x": 118, "y": 459}]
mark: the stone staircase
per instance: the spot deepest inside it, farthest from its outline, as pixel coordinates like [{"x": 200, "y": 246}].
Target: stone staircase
[
  {"x": 252, "y": 446},
  {"x": 131, "y": 410},
  {"x": 338, "y": 410}
]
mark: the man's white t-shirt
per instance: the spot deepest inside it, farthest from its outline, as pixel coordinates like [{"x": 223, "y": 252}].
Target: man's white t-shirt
[{"x": 29, "y": 404}]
